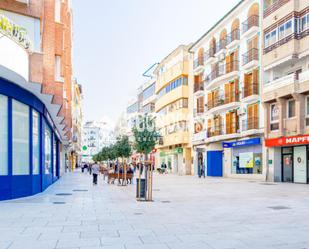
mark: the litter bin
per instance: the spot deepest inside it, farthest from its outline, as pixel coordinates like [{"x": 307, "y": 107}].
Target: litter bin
[{"x": 143, "y": 188}]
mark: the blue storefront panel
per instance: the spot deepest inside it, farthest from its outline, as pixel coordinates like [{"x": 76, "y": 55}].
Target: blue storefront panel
[{"x": 214, "y": 163}]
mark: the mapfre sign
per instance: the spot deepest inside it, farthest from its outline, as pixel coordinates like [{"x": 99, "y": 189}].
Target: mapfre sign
[{"x": 287, "y": 141}]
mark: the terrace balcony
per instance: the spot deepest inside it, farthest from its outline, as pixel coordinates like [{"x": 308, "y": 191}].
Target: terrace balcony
[
  {"x": 250, "y": 93},
  {"x": 222, "y": 73},
  {"x": 250, "y": 26},
  {"x": 223, "y": 103},
  {"x": 223, "y": 132},
  {"x": 233, "y": 39},
  {"x": 250, "y": 59},
  {"x": 250, "y": 126}
]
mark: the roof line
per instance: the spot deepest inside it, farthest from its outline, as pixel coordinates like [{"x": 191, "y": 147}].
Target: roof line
[{"x": 215, "y": 25}]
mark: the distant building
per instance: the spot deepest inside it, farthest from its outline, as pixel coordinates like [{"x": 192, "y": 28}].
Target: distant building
[
  {"x": 96, "y": 135},
  {"x": 77, "y": 119}
]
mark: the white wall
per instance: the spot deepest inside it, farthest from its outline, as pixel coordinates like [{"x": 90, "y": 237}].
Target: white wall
[
  {"x": 14, "y": 57},
  {"x": 32, "y": 25}
]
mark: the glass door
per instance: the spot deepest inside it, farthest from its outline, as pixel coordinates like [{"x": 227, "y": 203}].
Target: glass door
[{"x": 287, "y": 164}]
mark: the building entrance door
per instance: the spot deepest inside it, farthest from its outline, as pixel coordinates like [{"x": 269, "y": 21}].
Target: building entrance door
[
  {"x": 287, "y": 167},
  {"x": 300, "y": 164}
]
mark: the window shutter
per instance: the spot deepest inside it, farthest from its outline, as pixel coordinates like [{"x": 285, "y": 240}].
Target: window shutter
[
  {"x": 228, "y": 122},
  {"x": 227, "y": 93}
]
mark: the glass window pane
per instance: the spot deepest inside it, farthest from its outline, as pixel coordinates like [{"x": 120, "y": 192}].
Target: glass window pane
[
  {"x": 47, "y": 150},
  {"x": 55, "y": 157},
  {"x": 20, "y": 138},
  {"x": 36, "y": 143},
  {"x": 291, "y": 108},
  {"x": 3, "y": 135}
]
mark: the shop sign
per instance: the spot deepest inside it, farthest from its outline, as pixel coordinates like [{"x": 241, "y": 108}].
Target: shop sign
[
  {"x": 178, "y": 150},
  {"x": 18, "y": 33},
  {"x": 286, "y": 141},
  {"x": 162, "y": 154},
  {"x": 85, "y": 147},
  {"x": 247, "y": 142}
]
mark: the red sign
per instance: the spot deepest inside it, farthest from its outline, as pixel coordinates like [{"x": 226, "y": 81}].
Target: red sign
[{"x": 286, "y": 141}]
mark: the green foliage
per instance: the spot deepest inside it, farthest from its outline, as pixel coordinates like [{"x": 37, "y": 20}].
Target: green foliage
[
  {"x": 123, "y": 147},
  {"x": 145, "y": 135}
]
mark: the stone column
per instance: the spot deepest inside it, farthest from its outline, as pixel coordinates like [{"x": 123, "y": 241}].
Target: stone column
[
  {"x": 282, "y": 115},
  {"x": 300, "y": 111},
  {"x": 266, "y": 107}
]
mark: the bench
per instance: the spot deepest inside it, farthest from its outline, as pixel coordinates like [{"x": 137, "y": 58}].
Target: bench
[{"x": 113, "y": 176}]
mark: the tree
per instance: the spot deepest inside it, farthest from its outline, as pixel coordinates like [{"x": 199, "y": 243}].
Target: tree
[{"x": 145, "y": 135}]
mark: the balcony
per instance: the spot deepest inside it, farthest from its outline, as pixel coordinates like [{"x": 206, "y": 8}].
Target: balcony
[
  {"x": 222, "y": 73},
  {"x": 250, "y": 93},
  {"x": 198, "y": 111},
  {"x": 220, "y": 47},
  {"x": 276, "y": 4},
  {"x": 209, "y": 56},
  {"x": 250, "y": 26},
  {"x": 198, "y": 65},
  {"x": 199, "y": 88},
  {"x": 233, "y": 39},
  {"x": 223, "y": 103},
  {"x": 223, "y": 132},
  {"x": 279, "y": 82},
  {"x": 250, "y": 126},
  {"x": 250, "y": 59}
]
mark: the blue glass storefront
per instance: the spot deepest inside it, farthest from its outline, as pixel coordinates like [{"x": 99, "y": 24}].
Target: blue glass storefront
[{"x": 29, "y": 145}]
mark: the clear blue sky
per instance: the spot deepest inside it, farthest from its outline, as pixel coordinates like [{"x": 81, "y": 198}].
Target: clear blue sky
[{"x": 115, "y": 41}]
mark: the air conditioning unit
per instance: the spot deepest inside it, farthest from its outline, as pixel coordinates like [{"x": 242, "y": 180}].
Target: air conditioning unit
[{"x": 241, "y": 111}]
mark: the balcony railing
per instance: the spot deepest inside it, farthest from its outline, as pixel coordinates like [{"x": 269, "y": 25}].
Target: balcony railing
[
  {"x": 251, "y": 123},
  {"x": 198, "y": 62},
  {"x": 233, "y": 36},
  {"x": 198, "y": 111},
  {"x": 223, "y": 69},
  {"x": 223, "y": 129},
  {"x": 199, "y": 86},
  {"x": 220, "y": 45},
  {"x": 251, "y": 55},
  {"x": 252, "y": 21},
  {"x": 276, "y": 4},
  {"x": 222, "y": 99},
  {"x": 251, "y": 89},
  {"x": 210, "y": 53}
]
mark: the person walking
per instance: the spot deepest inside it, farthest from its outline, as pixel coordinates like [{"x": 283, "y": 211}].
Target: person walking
[{"x": 95, "y": 172}]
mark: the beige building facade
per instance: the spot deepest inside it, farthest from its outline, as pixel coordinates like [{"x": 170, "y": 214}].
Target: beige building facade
[{"x": 285, "y": 64}]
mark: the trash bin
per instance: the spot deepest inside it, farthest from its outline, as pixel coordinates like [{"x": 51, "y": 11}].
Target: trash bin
[{"x": 143, "y": 188}]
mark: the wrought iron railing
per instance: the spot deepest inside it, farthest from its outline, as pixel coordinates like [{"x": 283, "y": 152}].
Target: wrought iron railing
[
  {"x": 251, "y": 55},
  {"x": 252, "y": 21}
]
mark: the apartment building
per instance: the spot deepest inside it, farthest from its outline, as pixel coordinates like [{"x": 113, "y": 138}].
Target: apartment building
[
  {"x": 172, "y": 111},
  {"x": 225, "y": 79},
  {"x": 35, "y": 94},
  {"x": 285, "y": 64}
]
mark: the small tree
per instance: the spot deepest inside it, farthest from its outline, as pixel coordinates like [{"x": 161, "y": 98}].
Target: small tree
[
  {"x": 146, "y": 137},
  {"x": 123, "y": 149}
]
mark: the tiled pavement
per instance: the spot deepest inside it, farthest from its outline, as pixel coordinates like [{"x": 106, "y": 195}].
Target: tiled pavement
[{"x": 201, "y": 213}]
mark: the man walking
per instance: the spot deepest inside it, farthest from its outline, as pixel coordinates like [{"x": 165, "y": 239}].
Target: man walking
[{"x": 95, "y": 172}]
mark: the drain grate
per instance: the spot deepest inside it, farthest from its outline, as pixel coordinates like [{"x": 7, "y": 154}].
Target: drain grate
[
  {"x": 279, "y": 207},
  {"x": 165, "y": 201},
  {"x": 59, "y": 202},
  {"x": 64, "y": 194},
  {"x": 80, "y": 190}
]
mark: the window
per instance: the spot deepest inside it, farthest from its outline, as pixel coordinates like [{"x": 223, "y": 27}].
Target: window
[
  {"x": 57, "y": 10},
  {"x": 20, "y": 121},
  {"x": 55, "y": 158},
  {"x": 291, "y": 108},
  {"x": 58, "y": 72},
  {"x": 304, "y": 22},
  {"x": 3, "y": 135},
  {"x": 274, "y": 117},
  {"x": 36, "y": 143},
  {"x": 273, "y": 37},
  {"x": 148, "y": 92},
  {"x": 47, "y": 163},
  {"x": 267, "y": 40},
  {"x": 307, "y": 106}
]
